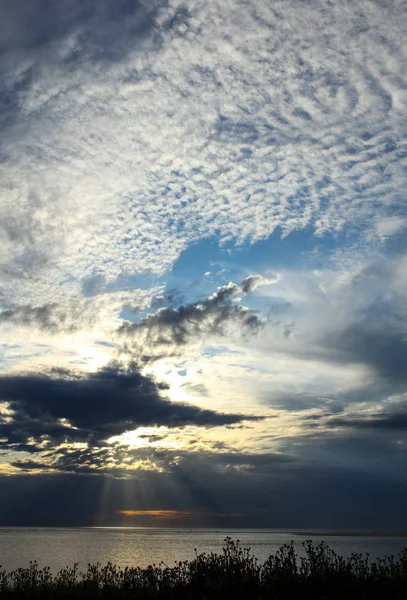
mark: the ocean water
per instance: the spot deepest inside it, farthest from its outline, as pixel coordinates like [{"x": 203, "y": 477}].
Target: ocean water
[{"x": 58, "y": 548}]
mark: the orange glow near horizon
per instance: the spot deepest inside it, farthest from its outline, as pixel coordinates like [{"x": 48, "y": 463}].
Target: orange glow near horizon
[
  {"x": 160, "y": 514},
  {"x": 173, "y": 514}
]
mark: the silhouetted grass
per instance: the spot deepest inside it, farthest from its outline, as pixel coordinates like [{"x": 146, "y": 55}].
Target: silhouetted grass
[{"x": 235, "y": 573}]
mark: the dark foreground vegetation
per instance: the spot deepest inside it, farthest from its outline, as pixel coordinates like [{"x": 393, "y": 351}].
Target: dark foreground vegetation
[{"x": 234, "y": 574}]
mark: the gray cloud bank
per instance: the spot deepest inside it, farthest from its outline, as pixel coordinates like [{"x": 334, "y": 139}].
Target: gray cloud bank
[
  {"x": 273, "y": 495},
  {"x": 331, "y": 478}
]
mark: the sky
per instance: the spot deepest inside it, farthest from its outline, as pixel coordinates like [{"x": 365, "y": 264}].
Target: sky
[{"x": 203, "y": 263}]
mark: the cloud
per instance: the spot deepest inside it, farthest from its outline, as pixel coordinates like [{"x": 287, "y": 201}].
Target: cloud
[
  {"x": 331, "y": 497},
  {"x": 151, "y": 116},
  {"x": 349, "y": 317},
  {"x": 372, "y": 327},
  {"x": 170, "y": 328},
  {"x": 130, "y": 130},
  {"x": 100, "y": 313},
  {"x": 73, "y": 30},
  {"x": 115, "y": 461},
  {"x": 392, "y": 226},
  {"x": 384, "y": 351},
  {"x": 391, "y": 418},
  {"x": 252, "y": 282},
  {"x": 51, "y": 318},
  {"x": 60, "y": 406}
]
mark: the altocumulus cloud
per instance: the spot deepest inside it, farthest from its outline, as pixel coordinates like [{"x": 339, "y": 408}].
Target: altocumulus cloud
[{"x": 150, "y": 115}]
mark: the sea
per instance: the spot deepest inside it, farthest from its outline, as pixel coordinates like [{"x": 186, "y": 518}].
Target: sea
[{"x": 59, "y": 548}]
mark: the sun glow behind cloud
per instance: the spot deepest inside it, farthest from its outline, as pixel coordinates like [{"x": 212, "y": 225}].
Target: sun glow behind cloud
[{"x": 177, "y": 515}]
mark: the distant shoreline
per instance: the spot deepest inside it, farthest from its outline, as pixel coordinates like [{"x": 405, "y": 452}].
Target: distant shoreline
[
  {"x": 393, "y": 534},
  {"x": 320, "y": 533}
]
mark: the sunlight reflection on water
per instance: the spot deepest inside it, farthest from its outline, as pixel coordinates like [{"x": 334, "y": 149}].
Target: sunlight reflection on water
[{"x": 59, "y": 548}]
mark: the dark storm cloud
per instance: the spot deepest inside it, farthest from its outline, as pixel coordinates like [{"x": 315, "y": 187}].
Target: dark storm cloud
[
  {"x": 209, "y": 316},
  {"x": 65, "y": 406}
]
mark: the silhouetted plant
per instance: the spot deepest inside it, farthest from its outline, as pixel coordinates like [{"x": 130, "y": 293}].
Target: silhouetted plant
[{"x": 235, "y": 573}]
